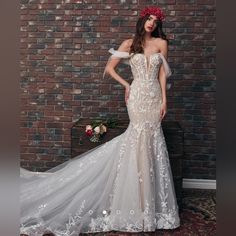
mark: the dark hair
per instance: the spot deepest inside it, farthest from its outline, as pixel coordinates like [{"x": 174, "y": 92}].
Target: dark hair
[{"x": 137, "y": 45}]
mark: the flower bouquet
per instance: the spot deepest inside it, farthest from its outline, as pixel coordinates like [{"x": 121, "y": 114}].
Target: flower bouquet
[
  {"x": 95, "y": 132},
  {"x": 97, "y": 128}
]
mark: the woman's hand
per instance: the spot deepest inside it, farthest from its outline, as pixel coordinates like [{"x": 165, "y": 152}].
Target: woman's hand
[
  {"x": 163, "y": 110},
  {"x": 127, "y": 91}
]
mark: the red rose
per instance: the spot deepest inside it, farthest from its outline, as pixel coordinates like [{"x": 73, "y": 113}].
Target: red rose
[
  {"x": 156, "y": 11},
  {"x": 89, "y": 132}
]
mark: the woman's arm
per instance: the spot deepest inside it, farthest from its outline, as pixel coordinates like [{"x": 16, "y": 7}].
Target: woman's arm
[
  {"x": 111, "y": 65},
  {"x": 162, "y": 75},
  {"x": 162, "y": 79}
]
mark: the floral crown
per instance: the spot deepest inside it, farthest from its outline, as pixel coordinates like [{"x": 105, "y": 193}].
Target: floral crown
[{"x": 156, "y": 11}]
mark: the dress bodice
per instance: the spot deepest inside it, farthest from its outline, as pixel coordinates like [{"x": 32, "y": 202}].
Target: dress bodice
[{"x": 145, "y": 68}]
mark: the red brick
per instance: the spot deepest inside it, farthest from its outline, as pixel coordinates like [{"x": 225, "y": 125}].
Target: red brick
[{"x": 54, "y": 61}]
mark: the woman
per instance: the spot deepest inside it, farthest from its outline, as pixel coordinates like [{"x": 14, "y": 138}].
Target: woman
[{"x": 125, "y": 184}]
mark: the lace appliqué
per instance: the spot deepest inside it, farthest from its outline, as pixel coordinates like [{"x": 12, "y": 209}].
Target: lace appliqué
[
  {"x": 149, "y": 222},
  {"x": 122, "y": 185}
]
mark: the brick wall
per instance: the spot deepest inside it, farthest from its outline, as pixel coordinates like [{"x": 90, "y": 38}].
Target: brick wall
[{"x": 63, "y": 53}]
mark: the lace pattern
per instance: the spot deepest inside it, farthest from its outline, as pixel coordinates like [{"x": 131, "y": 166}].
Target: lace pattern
[{"x": 125, "y": 184}]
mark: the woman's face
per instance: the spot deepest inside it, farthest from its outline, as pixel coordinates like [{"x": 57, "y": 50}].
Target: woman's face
[{"x": 150, "y": 24}]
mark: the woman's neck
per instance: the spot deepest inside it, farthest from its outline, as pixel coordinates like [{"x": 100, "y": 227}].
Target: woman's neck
[{"x": 148, "y": 37}]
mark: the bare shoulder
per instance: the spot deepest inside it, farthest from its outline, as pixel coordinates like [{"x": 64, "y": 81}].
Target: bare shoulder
[
  {"x": 162, "y": 46},
  {"x": 127, "y": 42},
  {"x": 125, "y": 45},
  {"x": 162, "y": 43}
]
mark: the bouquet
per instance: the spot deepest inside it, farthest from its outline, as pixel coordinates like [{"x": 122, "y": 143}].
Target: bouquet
[{"x": 95, "y": 132}]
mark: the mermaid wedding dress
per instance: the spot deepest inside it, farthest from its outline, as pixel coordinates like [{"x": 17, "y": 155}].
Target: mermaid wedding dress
[{"x": 125, "y": 184}]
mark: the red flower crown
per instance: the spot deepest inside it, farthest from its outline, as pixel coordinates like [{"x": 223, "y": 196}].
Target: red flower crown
[{"x": 156, "y": 11}]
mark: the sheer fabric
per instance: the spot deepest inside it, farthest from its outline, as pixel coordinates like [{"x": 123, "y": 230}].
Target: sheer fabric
[{"x": 125, "y": 184}]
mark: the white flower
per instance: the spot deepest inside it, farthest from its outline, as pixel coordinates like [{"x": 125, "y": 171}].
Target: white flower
[
  {"x": 103, "y": 129},
  {"x": 97, "y": 129},
  {"x": 88, "y": 127}
]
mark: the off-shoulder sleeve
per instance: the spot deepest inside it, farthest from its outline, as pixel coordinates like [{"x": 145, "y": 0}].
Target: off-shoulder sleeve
[
  {"x": 167, "y": 69},
  {"x": 117, "y": 54}
]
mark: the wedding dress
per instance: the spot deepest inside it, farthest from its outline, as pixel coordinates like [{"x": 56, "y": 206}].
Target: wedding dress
[{"x": 125, "y": 184}]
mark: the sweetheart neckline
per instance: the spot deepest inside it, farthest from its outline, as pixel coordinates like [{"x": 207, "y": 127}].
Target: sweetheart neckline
[
  {"x": 147, "y": 59},
  {"x": 149, "y": 55}
]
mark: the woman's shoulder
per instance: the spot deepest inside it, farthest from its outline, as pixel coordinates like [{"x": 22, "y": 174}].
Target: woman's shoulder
[
  {"x": 161, "y": 44},
  {"x": 160, "y": 41},
  {"x": 125, "y": 45},
  {"x": 128, "y": 42}
]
